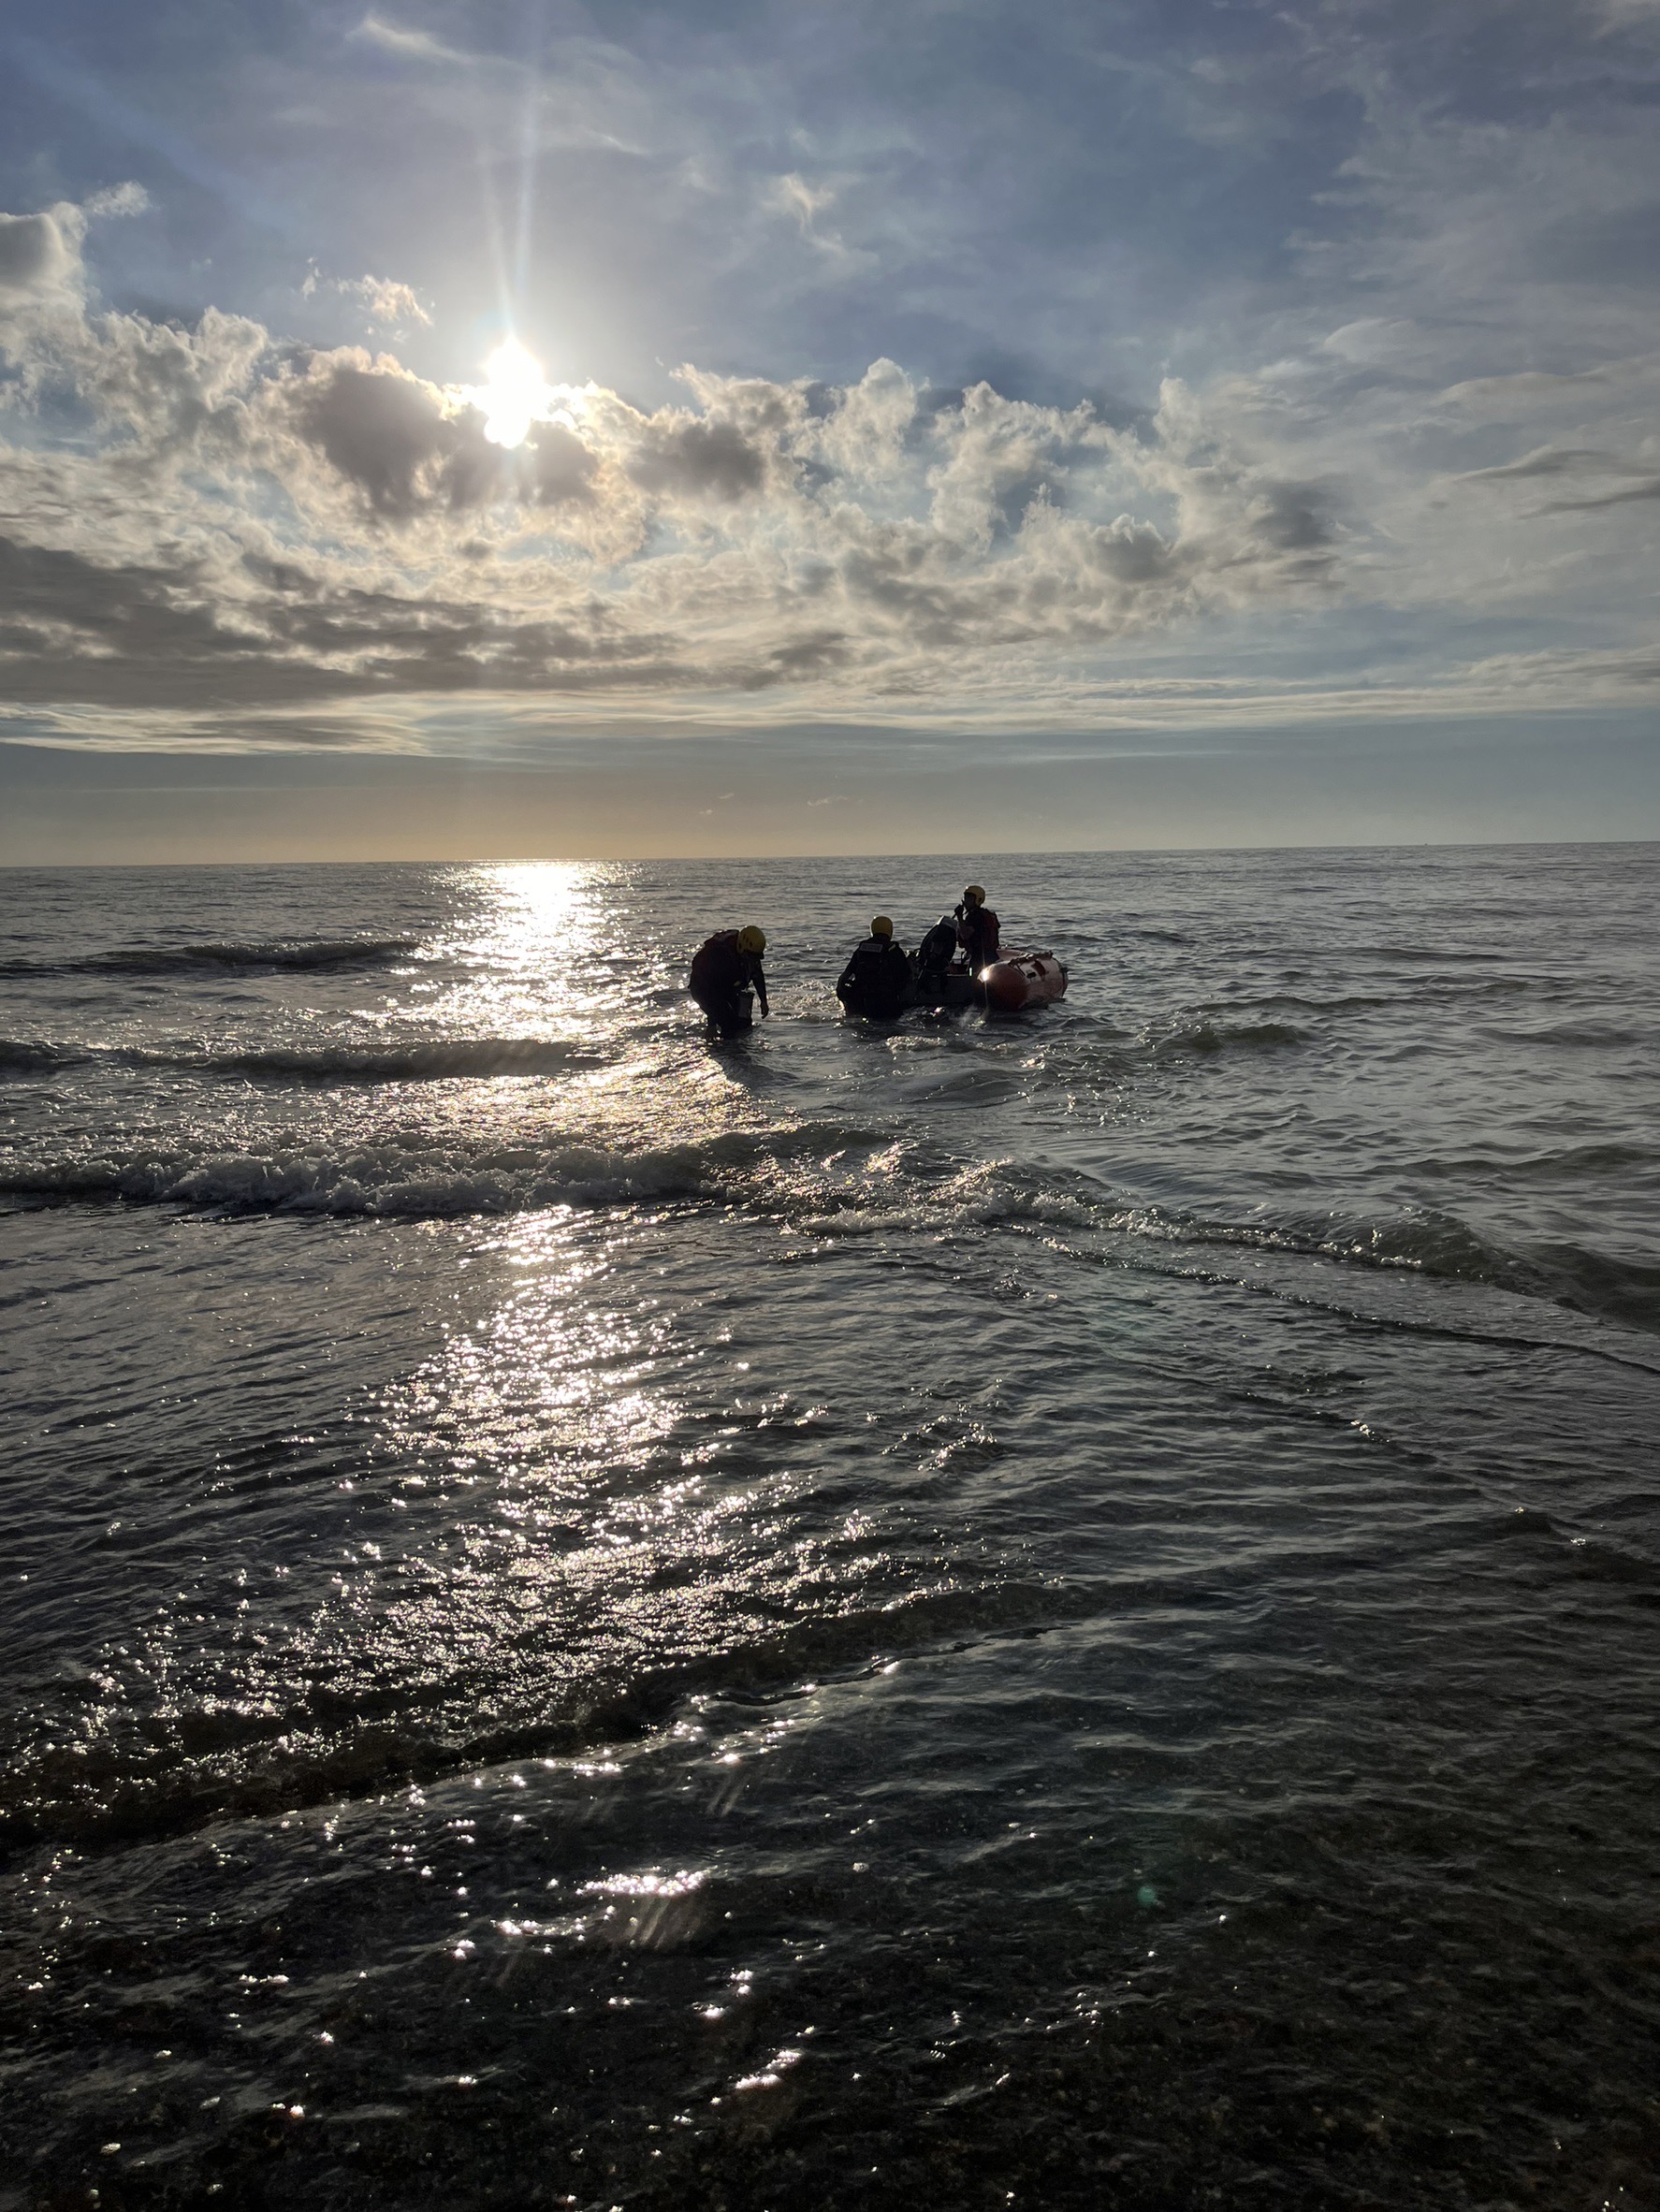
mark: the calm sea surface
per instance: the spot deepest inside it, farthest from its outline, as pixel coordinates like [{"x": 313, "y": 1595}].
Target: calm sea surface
[{"x": 1057, "y": 1611}]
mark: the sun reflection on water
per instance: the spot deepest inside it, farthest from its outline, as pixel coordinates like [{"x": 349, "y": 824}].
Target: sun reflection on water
[
  {"x": 541, "y": 953},
  {"x": 550, "y": 1385}
]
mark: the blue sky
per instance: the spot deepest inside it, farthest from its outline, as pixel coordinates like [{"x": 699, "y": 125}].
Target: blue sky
[{"x": 1098, "y": 406}]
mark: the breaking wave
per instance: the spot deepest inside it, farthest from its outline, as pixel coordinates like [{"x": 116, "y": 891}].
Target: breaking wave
[
  {"x": 826, "y": 1179},
  {"x": 413, "y": 1178},
  {"x": 463, "y": 1056}
]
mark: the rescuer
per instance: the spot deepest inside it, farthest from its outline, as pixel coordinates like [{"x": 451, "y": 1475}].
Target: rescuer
[
  {"x": 876, "y": 982},
  {"x": 977, "y": 930},
  {"x": 725, "y": 964}
]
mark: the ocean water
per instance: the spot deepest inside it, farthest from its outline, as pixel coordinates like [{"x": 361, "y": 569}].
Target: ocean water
[{"x": 1056, "y": 1611}]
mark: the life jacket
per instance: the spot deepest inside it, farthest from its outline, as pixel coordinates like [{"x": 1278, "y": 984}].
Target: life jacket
[
  {"x": 977, "y": 930},
  {"x": 877, "y": 972},
  {"x": 720, "y": 963}
]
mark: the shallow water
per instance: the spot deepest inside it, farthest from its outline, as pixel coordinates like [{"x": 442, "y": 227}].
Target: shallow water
[{"x": 1056, "y": 1611}]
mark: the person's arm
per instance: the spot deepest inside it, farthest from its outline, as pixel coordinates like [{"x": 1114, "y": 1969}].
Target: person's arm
[{"x": 760, "y": 982}]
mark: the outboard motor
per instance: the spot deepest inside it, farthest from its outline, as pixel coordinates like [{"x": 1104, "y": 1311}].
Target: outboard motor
[{"x": 932, "y": 957}]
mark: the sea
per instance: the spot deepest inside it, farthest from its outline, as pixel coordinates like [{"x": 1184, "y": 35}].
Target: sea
[{"x": 1057, "y": 1610}]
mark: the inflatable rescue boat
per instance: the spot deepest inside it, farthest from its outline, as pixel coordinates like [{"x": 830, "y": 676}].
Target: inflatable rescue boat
[
  {"x": 1011, "y": 983},
  {"x": 1015, "y": 981}
]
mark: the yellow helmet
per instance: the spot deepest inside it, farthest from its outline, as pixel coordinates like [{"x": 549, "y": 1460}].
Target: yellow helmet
[
  {"x": 976, "y": 892},
  {"x": 881, "y": 926},
  {"x": 752, "y": 939}
]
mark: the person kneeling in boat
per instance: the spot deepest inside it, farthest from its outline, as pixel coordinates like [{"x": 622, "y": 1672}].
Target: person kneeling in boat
[
  {"x": 724, "y": 966},
  {"x": 977, "y": 930},
  {"x": 876, "y": 982}
]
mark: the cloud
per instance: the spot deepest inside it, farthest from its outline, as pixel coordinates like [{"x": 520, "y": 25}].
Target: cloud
[
  {"x": 118, "y": 199},
  {"x": 40, "y": 255},
  {"x": 381, "y": 429},
  {"x": 212, "y": 520},
  {"x": 803, "y": 203},
  {"x": 793, "y": 195},
  {"x": 1623, "y": 497},
  {"x": 35, "y": 257},
  {"x": 768, "y": 536},
  {"x": 1550, "y": 460},
  {"x": 697, "y": 460},
  {"x": 1586, "y": 466},
  {"x": 386, "y": 301},
  {"x": 419, "y": 46}
]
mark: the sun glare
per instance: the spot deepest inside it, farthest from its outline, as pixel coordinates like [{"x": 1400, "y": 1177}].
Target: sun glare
[{"x": 514, "y": 395}]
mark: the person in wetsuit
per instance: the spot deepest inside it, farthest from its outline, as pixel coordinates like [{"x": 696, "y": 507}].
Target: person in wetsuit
[
  {"x": 876, "y": 982},
  {"x": 977, "y": 930},
  {"x": 724, "y": 964}
]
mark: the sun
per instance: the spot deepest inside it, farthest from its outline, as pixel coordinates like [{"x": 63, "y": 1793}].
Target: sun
[{"x": 514, "y": 395}]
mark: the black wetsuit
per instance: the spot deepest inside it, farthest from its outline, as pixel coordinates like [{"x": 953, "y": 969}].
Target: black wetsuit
[
  {"x": 719, "y": 971},
  {"x": 977, "y": 933},
  {"x": 876, "y": 982}
]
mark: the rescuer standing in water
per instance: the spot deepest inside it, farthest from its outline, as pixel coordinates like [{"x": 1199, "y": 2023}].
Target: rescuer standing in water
[
  {"x": 977, "y": 930},
  {"x": 876, "y": 982},
  {"x": 724, "y": 964}
]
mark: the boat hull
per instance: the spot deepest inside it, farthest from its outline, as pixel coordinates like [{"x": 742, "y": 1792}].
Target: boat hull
[
  {"x": 1020, "y": 980},
  {"x": 1008, "y": 986}
]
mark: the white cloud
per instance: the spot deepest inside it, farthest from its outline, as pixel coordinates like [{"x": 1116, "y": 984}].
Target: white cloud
[
  {"x": 119, "y": 199},
  {"x": 386, "y": 301},
  {"x": 420, "y": 46},
  {"x": 794, "y": 197},
  {"x": 803, "y": 203},
  {"x": 212, "y": 521},
  {"x": 37, "y": 259}
]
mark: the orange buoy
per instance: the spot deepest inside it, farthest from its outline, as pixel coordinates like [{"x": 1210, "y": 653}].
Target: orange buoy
[{"x": 1023, "y": 979}]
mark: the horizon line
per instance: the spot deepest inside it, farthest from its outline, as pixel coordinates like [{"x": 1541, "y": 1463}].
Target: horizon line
[{"x": 709, "y": 859}]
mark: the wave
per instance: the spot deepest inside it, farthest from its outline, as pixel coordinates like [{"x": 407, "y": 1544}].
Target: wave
[
  {"x": 430, "y": 1062},
  {"x": 1347, "y": 1002},
  {"x": 827, "y": 1178},
  {"x": 1428, "y": 1242},
  {"x": 1542, "y": 1167},
  {"x": 152, "y": 1776},
  {"x": 1215, "y": 1037},
  {"x": 301, "y": 954},
  {"x": 1430, "y": 953},
  {"x": 385, "y": 1179},
  {"x": 1599, "y": 1035},
  {"x": 22, "y": 1055},
  {"x": 437, "y": 1178},
  {"x": 1595, "y": 1282}
]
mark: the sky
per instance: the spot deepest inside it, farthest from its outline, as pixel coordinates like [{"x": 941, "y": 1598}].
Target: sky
[{"x": 449, "y": 430}]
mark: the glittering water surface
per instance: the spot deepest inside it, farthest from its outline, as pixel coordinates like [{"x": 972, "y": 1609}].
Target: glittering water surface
[{"x": 1056, "y": 1612}]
